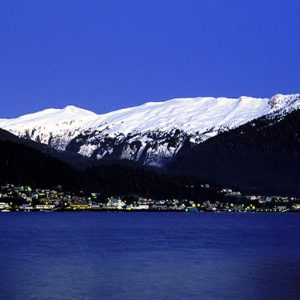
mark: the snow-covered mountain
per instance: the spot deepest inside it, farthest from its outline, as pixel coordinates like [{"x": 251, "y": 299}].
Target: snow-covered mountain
[{"x": 151, "y": 133}]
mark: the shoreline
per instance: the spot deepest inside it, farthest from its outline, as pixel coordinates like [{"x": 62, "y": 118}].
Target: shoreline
[{"x": 144, "y": 211}]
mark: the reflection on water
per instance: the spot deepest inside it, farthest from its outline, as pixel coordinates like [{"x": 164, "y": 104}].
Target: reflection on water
[{"x": 149, "y": 256}]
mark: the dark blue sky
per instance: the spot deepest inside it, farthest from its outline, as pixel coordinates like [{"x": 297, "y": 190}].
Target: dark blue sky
[{"x": 109, "y": 54}]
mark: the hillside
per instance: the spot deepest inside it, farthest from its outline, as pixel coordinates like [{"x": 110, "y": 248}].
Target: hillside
[
  {"x": 22, "y": 164},
  {"x": 262, "y": 156},
  {"x": 123, "y": 179}
]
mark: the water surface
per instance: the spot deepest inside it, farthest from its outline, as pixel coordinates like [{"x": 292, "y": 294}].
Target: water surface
[{"x": 149, "y": 256}]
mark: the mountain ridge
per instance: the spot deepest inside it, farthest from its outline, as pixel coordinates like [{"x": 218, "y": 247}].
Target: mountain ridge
[{"x": 152, "y": 133}]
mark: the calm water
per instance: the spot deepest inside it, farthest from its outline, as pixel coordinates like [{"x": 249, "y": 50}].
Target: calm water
[{"x": 149, "y": 256}]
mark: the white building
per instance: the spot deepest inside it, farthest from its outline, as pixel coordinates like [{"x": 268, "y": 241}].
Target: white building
[
  {"x": 4, "y": 205},
  {"x": 115, "y": 203},
  {"x": 141, "y": 207},
  {"x": 45, "y": 206}
]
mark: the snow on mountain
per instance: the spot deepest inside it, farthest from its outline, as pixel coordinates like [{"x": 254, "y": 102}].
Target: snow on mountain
[
  {"x": 151, "y": 133},
  {"x": 55, "y": 127},
  {"x": 283, "y": 104}
]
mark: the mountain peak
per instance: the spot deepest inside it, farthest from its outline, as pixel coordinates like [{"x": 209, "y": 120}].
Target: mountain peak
[
  {"x": 75, "y": 109},
  {"x": 284, "y": 103},
  {"x": 71, "y": 107}
]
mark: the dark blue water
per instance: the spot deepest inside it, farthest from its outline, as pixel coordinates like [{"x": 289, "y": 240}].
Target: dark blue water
[{"x": 149, "y": 256}]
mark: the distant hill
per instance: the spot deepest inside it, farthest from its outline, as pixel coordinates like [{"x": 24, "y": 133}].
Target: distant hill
[
  {"x": 127, "y": 179},
  {"x": 75, "y": 160},
  {"x": 262, "y": 156},
  {"x": 21, "y": 163}
]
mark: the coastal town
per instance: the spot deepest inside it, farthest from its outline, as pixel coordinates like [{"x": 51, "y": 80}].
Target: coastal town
[{"x": 18, "y": 198}]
